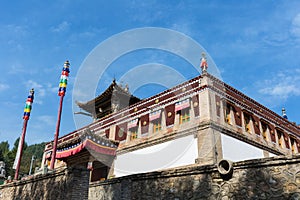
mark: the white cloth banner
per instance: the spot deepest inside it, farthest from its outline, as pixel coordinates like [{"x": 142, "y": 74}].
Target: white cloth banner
[{"x": 17, "y": 155}]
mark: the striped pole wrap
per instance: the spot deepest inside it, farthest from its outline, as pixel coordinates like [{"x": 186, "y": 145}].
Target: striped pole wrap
[
  {"x": 64, "y": 79},
  {"x": 28, "y": 105}
]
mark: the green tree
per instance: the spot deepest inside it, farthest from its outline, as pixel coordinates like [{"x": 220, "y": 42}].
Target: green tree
[
  {"x": 9, "y": 156},
  {"x": 35, "y": 150},
  {"x": 9, "y": 161},
  {"x": 1, "y": 156},
  {"x": 4, "y": 148}
]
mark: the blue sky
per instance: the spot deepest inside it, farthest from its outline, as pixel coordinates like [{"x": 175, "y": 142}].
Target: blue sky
[{"x": 254, "y": 44}]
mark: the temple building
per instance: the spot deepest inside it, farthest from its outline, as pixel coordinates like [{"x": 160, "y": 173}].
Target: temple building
[
  {"x": 198, "y": 122},
  {"x": 113, "y": 99}
]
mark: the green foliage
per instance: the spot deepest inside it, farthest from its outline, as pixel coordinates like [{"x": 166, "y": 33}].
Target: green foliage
[
  {"x": 1, "y": 155},
  {"x": 4, "y": 148},
  {"x": 8, "y": 156},
  {"x": 9, "y": 161},
  {"x": 35, "y": 150}
]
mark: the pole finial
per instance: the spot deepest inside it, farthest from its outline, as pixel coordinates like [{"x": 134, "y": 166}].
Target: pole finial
[
  {"x": 284, "y": 113},
  {"x": 67, "y": 63}
]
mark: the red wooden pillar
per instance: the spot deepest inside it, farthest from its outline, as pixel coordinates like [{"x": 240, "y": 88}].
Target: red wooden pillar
[{"x": 26, "y": 116}]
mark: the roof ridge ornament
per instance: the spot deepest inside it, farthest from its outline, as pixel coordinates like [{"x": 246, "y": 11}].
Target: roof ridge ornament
[
  {"x": 203, "y": 63},
  {"x": 284, "y": 113},
  {"x": 126, "y": 88}
]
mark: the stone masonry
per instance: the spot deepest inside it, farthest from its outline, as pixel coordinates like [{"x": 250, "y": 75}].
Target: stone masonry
[
  {"x": 268, "y": 178},
  {"x": 67, "y": 183}
]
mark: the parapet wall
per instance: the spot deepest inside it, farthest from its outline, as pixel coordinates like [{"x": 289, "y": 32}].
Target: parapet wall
[
  {"x": 268, "y": 178},
  {"x": 271, "y": 178},
  {"x": 67, "y": 183}
]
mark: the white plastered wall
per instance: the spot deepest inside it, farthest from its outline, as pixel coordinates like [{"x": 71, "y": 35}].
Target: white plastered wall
[
  {"x": 175, "y": 153},
  {"x": 236, "y": 150}
]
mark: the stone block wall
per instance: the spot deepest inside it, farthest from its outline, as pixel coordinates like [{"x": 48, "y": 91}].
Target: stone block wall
[
  {"x": 268, "y": 178},
  {"x": 67, "y": 183}
]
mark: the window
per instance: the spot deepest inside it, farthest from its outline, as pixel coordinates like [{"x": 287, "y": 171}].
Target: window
[
  {"x": 247, "y": 122},
  {"x": 184, "y": 115},
  {"x": 293, "y": 143},
  {"x": 156, "y": 125},
  {"x": 280, "y": 138},
  {"x": 133, "y": 133},
  {"x": 264, "y": 127},
  {"x": 228, "y": 119},
  {"x": 183, "y": 108},
  {"x": 218, "y": 106},
  {"x": 155, "y": 118},
  {"x": 133, "y": 128}
]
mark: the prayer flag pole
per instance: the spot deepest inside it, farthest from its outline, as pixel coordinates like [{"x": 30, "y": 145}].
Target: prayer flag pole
[
  {"x": 61, "y": 92},
  {"x": 26, "y": 116}
]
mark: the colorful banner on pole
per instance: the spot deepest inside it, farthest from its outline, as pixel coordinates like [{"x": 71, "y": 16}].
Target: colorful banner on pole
[
  {"x": 27, "y": 110},
  {"x": 28, "y": 105},
  {"x": 64, "y": 79}
]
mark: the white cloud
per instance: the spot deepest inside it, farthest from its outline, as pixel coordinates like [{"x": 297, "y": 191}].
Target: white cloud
[
  {"x": 39, "y": 90},
  {"x": 3, "y": 87},
  {"x": 281, "y": 90},
  {"x": 42, "y": 90},
  {"x": 282, "y": 85},
  {"x": 295, "y": 30},
  {"x": 61, "y": 27},
  {"x": 37, "y": 87}
]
